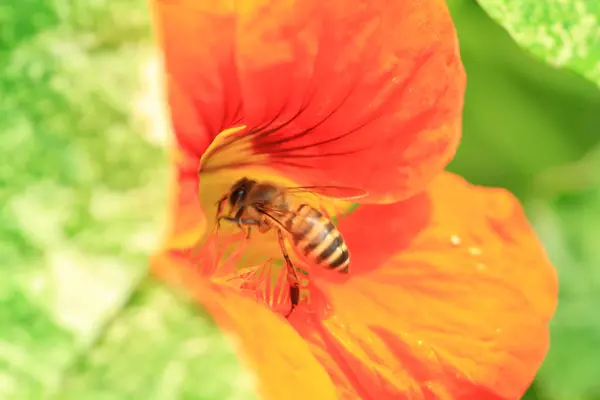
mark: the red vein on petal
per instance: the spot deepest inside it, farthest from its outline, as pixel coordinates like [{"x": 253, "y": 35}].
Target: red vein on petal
[{"x": 332, "y": 347}]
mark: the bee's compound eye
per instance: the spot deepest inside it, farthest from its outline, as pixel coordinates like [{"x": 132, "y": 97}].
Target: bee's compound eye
[
  {"x": 233, "y": 198},
  {"x": 237, "y": 196}
]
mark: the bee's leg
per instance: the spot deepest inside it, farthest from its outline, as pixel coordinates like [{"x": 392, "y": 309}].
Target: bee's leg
[
  {"x": 240, "y": 222},
  {"x": 292, "y": 276},
  {"x": 248, "y": 223},
  {"x": 238, "y": 218},
  {"x": 219, "y": 212}
]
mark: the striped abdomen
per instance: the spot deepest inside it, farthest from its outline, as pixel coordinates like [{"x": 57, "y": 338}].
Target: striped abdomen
[{"x": 317, "y": 238}]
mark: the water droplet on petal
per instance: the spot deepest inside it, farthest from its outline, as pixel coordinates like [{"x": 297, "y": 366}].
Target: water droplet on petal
[
  {"x": 420, "y": 342},
  {"x": 455, "y": 240},
  {"x": 475, "y": 251}
]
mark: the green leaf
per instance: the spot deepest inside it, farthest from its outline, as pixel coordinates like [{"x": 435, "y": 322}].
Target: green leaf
[
  {"x": 565, "y": 33},
  {"x": 159, "y": 348},
  {"x": 83, "y": 202},
  {"x": 21, "y": 20},
  {"x": 32, "y": 346}
]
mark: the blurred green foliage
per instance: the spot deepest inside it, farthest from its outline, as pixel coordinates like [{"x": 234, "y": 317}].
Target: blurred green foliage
[
  {"x": 82, "y": 199},
  {"x": 82, "y": 196},
  {"x": 521, "y": 115}
]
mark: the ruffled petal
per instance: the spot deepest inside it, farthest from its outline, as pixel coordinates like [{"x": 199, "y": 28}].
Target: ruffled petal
[
  {"x": 280, "y": 359},
  {"x": 366, "y": 94},
  {"x": 449, "y": 297}
]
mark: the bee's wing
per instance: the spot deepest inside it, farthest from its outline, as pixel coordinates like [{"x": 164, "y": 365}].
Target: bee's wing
[
  {"x": 330, "y": 200},
  {"x": 335, "y": 192},
  {"x": 279, "y": 216}
]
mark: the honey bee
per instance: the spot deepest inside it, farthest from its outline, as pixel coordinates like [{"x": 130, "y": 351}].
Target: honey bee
[{"x": 267, "y": 206}]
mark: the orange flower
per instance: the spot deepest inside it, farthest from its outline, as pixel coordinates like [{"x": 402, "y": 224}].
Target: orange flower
[{"x": 449, "y": 293}]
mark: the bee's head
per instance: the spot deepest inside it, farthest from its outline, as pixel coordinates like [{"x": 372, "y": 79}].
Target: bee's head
[{"x": 239, "y": 191}]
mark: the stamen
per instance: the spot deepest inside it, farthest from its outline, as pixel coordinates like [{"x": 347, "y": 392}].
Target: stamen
[
  {"x": 209, "y": 257},
  {"x": 218, "y": 259},
  {"x": 269, "y": 285}
]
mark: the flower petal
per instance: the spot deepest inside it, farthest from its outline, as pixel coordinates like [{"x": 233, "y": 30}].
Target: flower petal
[
  {"x": 266, "y": 343},
  {"x": 366, "y": 94},
  {"x": 188, "y": 222},
  {"x": 196, "y": 38},
  {"x": 454, "y": 304}
]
